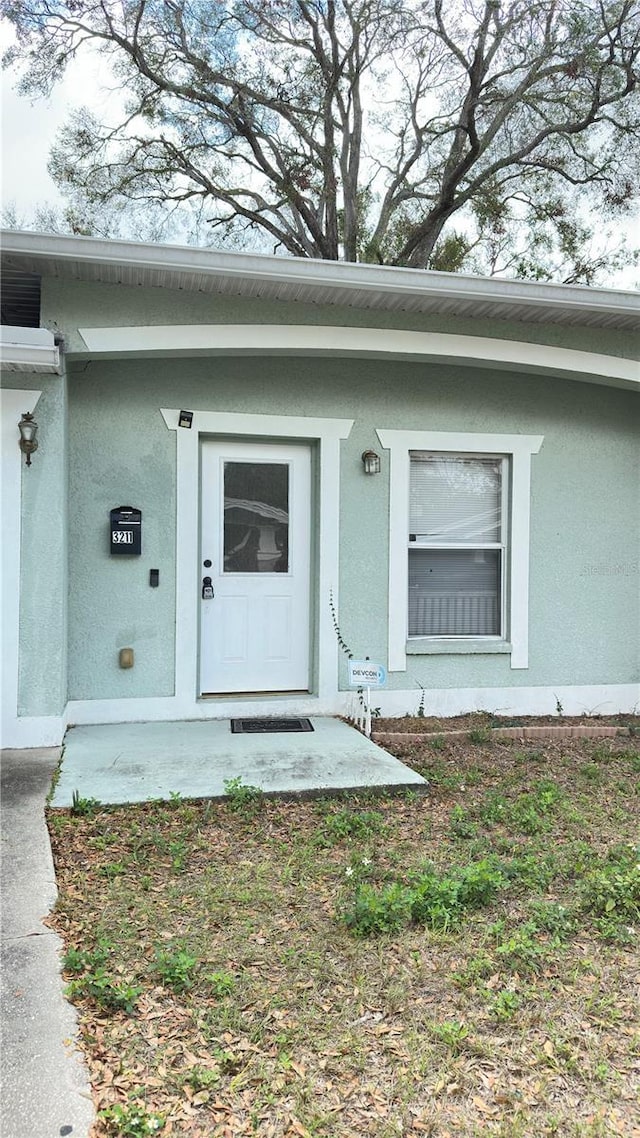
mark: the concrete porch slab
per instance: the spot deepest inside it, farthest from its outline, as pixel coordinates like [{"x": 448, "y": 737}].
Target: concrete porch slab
[{"x": 137, "y": 762}]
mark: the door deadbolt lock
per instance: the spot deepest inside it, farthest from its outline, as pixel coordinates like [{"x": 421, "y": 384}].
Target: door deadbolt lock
[{"x": 207, "y": 589}]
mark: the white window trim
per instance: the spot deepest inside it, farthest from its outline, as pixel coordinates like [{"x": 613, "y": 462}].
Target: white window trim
[{"x": 519, "y": 449}]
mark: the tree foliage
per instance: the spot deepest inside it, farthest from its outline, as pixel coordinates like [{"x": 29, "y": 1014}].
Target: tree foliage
[{"x": 476, "y": 133}]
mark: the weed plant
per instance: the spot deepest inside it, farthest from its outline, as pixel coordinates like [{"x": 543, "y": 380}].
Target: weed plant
[
  {"x": 504, "y": 1005},
  {"x": 221, "y": 984},
  {"x": 131, "y": 1121},
  {"x": 79, "y": 960},
  {"x": 83, "y": 807},
  {"x": 611, "y": 895},
  {"x": 453, "y": 1034},
  {"x": 348, "y": 824},
  {"x": 435, "y": 900},
  {"x": 461, "y": 825},
  {"x": 242, "y": 798},
  {"x": 107, "y": 992},
  {"x": 481, "y": 736},
  {"x": 374, "y": 910},
  {"x": 176, "y": 968},
  {"x": 529, "y": 813}
]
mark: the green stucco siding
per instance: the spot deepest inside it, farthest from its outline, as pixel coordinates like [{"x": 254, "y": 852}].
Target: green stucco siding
[
  {"x": 121, "y": 454},
  {"x": 585, "y": 547},
  {"x": 68, "y": 306},
  {"x": 42, "y": 658}
]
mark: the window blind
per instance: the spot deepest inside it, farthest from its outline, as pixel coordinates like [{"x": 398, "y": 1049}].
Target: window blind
[{"x": 455, "y": 499}]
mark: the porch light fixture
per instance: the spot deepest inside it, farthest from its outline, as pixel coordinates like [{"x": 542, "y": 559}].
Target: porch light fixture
[
  {"x": 28, "y": 430},
  {"x": 371, "y": 462}
]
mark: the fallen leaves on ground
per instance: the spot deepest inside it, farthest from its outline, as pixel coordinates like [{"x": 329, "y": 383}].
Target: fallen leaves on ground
[{"x": 291, "y": 1027}]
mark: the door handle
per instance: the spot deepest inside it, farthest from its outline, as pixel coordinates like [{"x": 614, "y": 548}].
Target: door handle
[{"x": 207, "y": 589}]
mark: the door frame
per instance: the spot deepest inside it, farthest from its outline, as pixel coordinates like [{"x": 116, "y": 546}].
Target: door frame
[{"x": 327, "y": 435}]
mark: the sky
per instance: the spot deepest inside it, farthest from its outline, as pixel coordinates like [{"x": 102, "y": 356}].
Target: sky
[{"x": 28, "y": 130}]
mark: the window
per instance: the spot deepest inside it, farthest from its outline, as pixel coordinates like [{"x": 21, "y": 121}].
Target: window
[
  {"x": 459, "y": 508},
  {"x": 456, "y": 545}
]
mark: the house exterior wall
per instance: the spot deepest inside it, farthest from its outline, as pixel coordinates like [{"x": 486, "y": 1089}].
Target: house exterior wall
[
  {"x": 68, "y": 306},
  {"x": 585, "y": 543},
  {"x": 43, "y": 660},
  {"x": 104, "y": 442},
  {"x": 120, "y": 454}
]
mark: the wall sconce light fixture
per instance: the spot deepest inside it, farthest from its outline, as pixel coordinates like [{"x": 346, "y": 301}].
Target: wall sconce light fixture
[
  {"x": 371, "y": 462},
  {"x": 28, "y": 430}
]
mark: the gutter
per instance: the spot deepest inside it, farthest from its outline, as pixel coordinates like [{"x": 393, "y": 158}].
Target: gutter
[
  {"x": 317, "y": 274},
  {"x": 29, "y": 349}
]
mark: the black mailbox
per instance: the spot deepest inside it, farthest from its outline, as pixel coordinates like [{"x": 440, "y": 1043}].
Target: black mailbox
[{"x": 125, "y": 535}]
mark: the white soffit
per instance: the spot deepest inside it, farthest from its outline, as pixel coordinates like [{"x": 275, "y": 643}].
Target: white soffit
[
  {"x": 319, "y": 340},
  {"x": 317, "y": 282}
]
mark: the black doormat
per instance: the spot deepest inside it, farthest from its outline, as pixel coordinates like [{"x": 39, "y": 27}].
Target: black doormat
[{"x": 269, "y": 726}]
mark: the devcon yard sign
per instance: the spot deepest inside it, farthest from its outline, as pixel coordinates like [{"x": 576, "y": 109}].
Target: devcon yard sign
[{"x": 364, "y": 674}]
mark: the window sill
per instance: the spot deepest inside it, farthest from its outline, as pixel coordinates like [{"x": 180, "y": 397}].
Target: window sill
[{"x": 426, "y": 646}]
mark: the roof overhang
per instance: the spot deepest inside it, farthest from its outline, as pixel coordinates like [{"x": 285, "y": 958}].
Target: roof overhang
[{"x": 318, "y": 282}]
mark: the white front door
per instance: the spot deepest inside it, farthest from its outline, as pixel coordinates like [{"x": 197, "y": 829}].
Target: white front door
[{"x": 254, "y": 569}]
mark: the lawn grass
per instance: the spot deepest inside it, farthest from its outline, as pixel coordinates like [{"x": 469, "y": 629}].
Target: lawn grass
[{"x": 457, "y": 964}]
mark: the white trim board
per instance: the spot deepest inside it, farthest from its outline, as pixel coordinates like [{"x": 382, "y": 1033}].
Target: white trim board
[
  {"x": 519, "y": 449},
  {"x": 328, "y": 433},
  {"x": 26, "y": 732},
  {"x": 587, "y": 699},
  {"x": 579, "y": 699},
  {"x": 366, "y": 343},
  {"x": 171, "y": 709},
  {"x": 13, "y": 404}
]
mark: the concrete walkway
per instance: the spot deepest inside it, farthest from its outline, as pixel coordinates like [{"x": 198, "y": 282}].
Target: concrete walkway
[
  {"x": 135, "y": 762},
  {"x": 45, "y": 1089}
]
